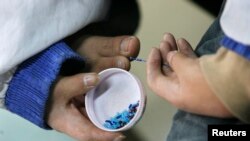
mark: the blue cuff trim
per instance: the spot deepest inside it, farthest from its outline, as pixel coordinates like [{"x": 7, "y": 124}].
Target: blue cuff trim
[
  {"x": 29, "y": 88},
  {"x": 243, "y": 50}
]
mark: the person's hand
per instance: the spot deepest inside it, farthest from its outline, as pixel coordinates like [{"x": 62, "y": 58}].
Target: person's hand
[
  {"x": 182, "y": 84},
  {"x": 66, "y": 112},
  {"x": 107, "y": 52}
]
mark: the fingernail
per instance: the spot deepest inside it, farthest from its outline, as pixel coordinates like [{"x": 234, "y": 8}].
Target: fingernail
[
  {"x": 180, "y": 44},
  {"x": 125, "y": 44},
  {"x": 90, "y": 80},
  {"x": 120, "y": 64},
  {"x": 120, "y": 138},
  {"x": 166, "y": 36},
  {"x": 155, "y": 54}
]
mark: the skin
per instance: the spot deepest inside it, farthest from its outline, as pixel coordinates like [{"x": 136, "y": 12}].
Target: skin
[
  {"x": 182, "y": 84},
  {"x": 66, "y": 112}
]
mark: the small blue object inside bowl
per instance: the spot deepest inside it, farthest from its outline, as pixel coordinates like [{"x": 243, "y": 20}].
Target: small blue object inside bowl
[
  {"x": 123, "y": 118},
  {"x": 117, "y": 102}
]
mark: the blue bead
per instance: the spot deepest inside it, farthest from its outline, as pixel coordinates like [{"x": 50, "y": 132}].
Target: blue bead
[{"x": 121, "y": 119}]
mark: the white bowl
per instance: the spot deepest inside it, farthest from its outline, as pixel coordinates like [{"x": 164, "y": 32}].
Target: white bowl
[{"x": 115, "y": 92}]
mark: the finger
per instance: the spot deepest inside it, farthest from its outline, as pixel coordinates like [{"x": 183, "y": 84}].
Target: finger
[
  {"x": 168, "y": 37},
  {"x": 113, "y": 46},
  {"x": 129, "y": 46},
  {"x": 76, "y": 85},
  {"x": 112, "y": 62},
  {"x": 165, "y": 48},
  {"x": 154, "y": 65},
  {"x": 164, "y": 86},
  {"x": 123, "y": 45},
  {"x": 185, "y": 48},
  {"x": 178, "y": 62}
]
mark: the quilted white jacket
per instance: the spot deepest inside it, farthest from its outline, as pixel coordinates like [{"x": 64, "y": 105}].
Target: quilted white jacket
[{"x": 29, "y": 26}]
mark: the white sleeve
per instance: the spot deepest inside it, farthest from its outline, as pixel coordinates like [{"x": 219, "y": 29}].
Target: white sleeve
[
  {"x": 29, "y": 26},
  {"x": 235, "y": 20}
]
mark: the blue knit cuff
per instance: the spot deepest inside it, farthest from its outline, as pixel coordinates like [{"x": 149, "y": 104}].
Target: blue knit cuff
[
  {"x": 241, "y": 49},
  {"x": 29, "y": 88}
]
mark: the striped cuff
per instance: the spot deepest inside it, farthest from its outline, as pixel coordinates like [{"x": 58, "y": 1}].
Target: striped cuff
[
  {"x": 30, "y": 86},
  {"x": 241, "y": 49}
]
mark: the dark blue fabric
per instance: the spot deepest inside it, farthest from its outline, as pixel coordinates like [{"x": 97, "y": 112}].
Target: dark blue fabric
[
  {"x": 29, "y": 88},
  {"x": 241, "y": 49}
]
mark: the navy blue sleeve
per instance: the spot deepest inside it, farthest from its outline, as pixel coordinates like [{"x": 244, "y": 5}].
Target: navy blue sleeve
[{"x": 30, "y": 86}]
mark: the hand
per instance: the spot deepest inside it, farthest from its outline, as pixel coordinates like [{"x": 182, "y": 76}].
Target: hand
[
  {"x": 182, "y": 84},
  {"x": 107, "y": 52},
  {"x": 66, "y": 112}
]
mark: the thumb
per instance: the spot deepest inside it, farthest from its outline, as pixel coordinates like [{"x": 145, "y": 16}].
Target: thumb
[
  {"x": 177, "y": 61},
  {"x": 76, "y": 85}
]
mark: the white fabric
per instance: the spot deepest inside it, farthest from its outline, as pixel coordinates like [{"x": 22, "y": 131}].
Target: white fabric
[
  {"x": 235, "y": 20},
  {"x": 29, "y": 26}
]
